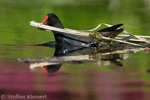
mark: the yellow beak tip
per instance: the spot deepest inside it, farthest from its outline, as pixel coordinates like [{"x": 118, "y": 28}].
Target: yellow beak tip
[
  {"x": 41, "y": 66},
  {"x": 41, "y": 23}
]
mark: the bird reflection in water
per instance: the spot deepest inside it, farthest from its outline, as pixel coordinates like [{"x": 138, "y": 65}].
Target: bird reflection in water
[
  {"x": 78, "y": 55},
  {"x": 89, "y": 49}
]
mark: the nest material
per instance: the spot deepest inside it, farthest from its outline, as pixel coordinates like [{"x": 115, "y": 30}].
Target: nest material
[{"x": 91, "y": 37}]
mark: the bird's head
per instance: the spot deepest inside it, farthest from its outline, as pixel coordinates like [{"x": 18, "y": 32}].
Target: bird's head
[{"x": 51, "y": 20}]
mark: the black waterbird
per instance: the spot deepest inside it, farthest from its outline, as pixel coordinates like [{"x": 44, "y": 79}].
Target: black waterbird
[{"x": 52, "y": 20}]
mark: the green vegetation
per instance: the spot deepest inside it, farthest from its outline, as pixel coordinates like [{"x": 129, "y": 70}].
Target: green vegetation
[{"x": 76, "y": 14}]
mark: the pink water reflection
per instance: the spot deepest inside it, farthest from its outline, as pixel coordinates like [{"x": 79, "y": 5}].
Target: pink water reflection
[{"x": 17, "y": 78}]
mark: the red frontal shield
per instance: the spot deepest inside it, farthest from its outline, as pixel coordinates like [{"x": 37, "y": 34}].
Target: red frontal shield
[{"x": 45, "y": 20}]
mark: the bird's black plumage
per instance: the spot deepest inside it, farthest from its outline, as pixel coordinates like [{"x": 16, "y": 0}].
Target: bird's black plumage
[{"x": 53, "y": 20}]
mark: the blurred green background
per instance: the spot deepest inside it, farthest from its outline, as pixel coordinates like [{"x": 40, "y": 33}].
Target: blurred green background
[{"x": 15, "y": 16}]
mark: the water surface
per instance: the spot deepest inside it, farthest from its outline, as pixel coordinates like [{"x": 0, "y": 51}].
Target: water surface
[{"x": 87, "y": 74}]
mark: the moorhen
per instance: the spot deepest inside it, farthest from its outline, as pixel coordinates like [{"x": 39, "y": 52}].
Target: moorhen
[{"x": 52, "y": 20}]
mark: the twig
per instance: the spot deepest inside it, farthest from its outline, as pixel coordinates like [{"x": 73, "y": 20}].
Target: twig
[
  {"x": 112, "y": 39},
  {"x": 123, "y": 51},
  {"x": 124, "y": 31},
  {"x": 60, "y": 60},
  {"x": 74, "y": 32},
  {"x": 65, "y": 59},
  {"x": 133, "y": 40},
  {"x": 99, "y": 25},
  {"x": 136, "y": 36},
  {"x": 58, "y": 29}
]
